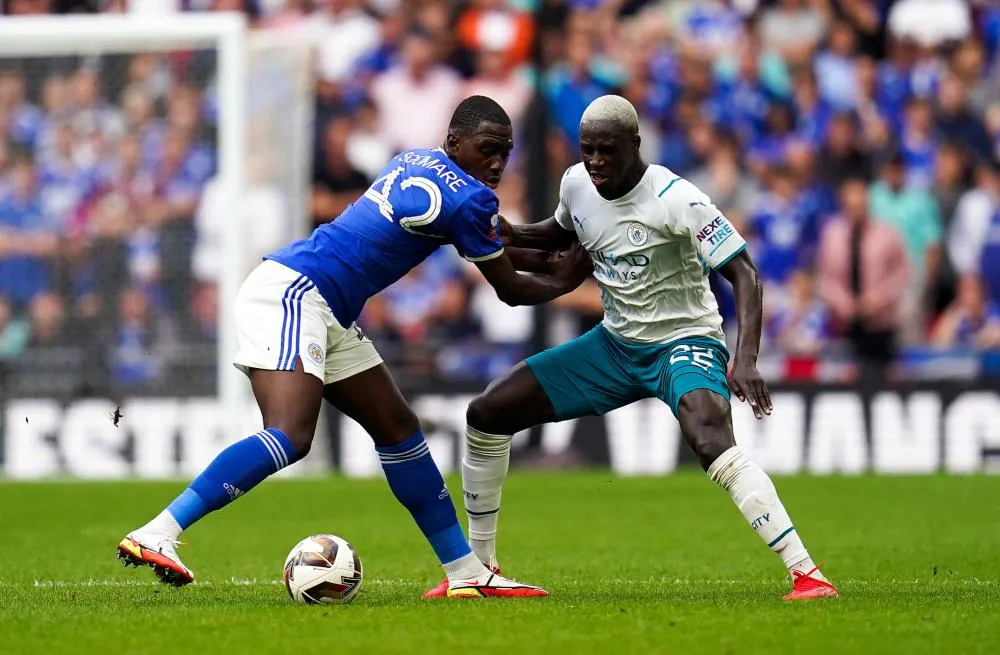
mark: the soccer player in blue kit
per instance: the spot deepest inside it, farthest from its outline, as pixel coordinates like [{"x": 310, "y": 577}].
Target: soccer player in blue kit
[{"x": 299, "y": 344}]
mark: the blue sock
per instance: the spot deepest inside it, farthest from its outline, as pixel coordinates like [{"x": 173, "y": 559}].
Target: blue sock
[
  {"x": 417, "y": 484},
  {"x": 235, "y": 471}
]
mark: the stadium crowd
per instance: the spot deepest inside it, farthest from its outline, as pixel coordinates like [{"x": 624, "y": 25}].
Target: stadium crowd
[{"x": 854, "y": 142}]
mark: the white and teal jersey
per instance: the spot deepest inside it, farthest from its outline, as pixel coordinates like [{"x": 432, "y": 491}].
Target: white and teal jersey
[{"x": 652, "y": 249}]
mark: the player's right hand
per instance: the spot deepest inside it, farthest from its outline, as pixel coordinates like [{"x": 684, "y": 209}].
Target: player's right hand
[{"x": 573, "y": 265}]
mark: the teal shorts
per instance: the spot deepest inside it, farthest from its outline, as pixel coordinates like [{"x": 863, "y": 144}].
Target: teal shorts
[{"x": 598, "y": 372}]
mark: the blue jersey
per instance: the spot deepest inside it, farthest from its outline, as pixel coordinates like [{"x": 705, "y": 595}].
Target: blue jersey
[{"x": 421, "y": 201}]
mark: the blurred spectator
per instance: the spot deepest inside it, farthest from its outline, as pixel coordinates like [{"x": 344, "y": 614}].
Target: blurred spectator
[
  {"x": 783, "y": 234},
  {"x": 797, "y": 320},
  {"x": 91, "y": 114},
  {"x": 836, "y": 68},
  {"x": 972, "y": 320},
  {"x": 15, "y": 332},
  {"x": 989, "y": 266},
  {"x": 573, "y": 84},
  {"x": 930, "y": 22},
  {"x": 262, "y": 219},
  {"x": 419, "y": 86},
  {"x": 865, "y": 18},
  {"x": 793, "y": 29},
  {"x": 812, "y": 113},
  {"x": 956, "y": 123},
  {"x": 495, "y": 79},
  {"x": 27, "y": 241},
  {"x": 914, "y": 213},
  {"x": 48, "y": 320},
  {"x": 841, "y": 157},
  {"x": 25, "y": 120},
  {"x": 136, "y": 354},
  {"x": 722, "y": 179},
  {"x": 367, "y": 150},
  {"x": 973, "y": 214},
  {"x": 342, "y": 32},
  {"x": 64, "y": 181},
  {"x": 203, "y": 328},
  {"x": 336, "y": 183},
  {"x": 865, "y": 270},
  {"x": 919, "y": 143}
]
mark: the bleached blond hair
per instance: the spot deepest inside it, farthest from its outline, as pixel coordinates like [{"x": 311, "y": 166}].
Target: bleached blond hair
[{"x": 611, "y": 109}]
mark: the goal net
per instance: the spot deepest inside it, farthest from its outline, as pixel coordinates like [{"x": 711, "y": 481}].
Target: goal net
[{"x": 145, "y": 166}]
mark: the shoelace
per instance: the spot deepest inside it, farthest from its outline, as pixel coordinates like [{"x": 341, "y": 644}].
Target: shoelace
[{"x": 799, "y": 574}]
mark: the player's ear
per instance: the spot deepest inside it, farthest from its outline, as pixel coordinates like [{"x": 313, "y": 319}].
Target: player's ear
[
  {"x": 451, "y": 143},
  {"x": 636, "y": 142}
]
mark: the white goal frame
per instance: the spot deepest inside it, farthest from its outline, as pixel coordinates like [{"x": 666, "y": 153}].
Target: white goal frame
[{"x": 43, "y": 36}]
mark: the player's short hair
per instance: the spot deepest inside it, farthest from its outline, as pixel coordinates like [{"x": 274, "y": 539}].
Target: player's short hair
[
  {"x": 473, "y": 112},
  {"x": 612, "y": 109}
]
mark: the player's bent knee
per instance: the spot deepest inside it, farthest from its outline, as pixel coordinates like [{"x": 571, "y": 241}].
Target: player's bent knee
[
  {"x": 481, "y": 414},
  {"x": 301, "y": 439}
]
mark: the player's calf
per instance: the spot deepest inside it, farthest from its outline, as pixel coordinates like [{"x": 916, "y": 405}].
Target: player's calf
[{"x": 707, "y": 427}]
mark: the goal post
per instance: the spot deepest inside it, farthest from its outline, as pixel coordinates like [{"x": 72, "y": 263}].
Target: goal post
[{"x": 240, "y": 55}]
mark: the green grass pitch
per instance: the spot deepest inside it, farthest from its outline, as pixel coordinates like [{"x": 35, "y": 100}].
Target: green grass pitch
[{"x": 662, "y": 565}]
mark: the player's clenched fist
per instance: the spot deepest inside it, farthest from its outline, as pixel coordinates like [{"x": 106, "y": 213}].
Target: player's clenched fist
[{"x": 572, "y": 264}]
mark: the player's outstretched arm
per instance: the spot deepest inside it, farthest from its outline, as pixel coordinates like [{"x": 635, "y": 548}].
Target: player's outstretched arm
[
  {"x": 749, "y": 292},
  {"x": 546, "y": 235},
  {"x": 568, "y": 273}
]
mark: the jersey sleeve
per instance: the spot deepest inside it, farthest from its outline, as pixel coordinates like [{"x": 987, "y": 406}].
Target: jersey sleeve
[
  {"x": 563, "y": 216},
  {"x": 475, "y": 228},
  {"x": 692, "y": 212}
]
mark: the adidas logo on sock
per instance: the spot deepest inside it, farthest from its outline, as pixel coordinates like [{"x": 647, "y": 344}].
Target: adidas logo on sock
[{"x": 234, "y": 492}]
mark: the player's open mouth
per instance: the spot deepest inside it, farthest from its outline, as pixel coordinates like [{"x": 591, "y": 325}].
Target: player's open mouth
[
  {"x": 598, "y": 179},
  {"x": 492, "y": 182}
]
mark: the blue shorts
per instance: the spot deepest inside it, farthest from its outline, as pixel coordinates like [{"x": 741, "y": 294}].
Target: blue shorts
[{"x": 598, "y": 372}]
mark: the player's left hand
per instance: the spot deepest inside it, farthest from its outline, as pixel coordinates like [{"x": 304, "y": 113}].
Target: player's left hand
[{"x": 750, "y": 387}]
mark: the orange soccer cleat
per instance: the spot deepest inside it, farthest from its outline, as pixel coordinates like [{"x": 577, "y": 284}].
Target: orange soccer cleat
[
  {"x": 807, "y": 587},
  {"x": 157, "y": 552},
  {"x": 494, "y": 586}
]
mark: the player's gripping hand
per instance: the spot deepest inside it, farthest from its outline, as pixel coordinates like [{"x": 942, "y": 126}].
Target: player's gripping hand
[
  {"x": 573, "y": 265},
  {"x": 750, "y": 387},
  {"x": 505, "y": 230}
]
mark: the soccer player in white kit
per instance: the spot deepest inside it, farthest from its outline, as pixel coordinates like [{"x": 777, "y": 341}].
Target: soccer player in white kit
[{"x": 653, "y": 237}]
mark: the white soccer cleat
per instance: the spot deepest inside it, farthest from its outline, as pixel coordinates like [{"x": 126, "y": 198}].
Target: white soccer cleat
[
  {"x": 156, "y": 550},
  {"x": 492, "y": 585}
]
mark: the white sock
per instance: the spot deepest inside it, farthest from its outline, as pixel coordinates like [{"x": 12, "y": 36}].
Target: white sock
[
  {"x": 484, "y": 468},
  {"x": 164, "y": 523},
  {"x": 465, "y": 568},
  {"x": 755, "y": 496}
]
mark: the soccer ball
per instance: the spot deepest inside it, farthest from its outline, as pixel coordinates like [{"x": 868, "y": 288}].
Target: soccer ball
[{"x": 323, "y": 569}]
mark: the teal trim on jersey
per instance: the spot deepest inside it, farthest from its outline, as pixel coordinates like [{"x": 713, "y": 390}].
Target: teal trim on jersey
[
  {"x": 598, "y": 372},
  {"x": 729, "y": 258},
  {"x": 781, "y": 536},
  {"x": 667, "y": 188}
]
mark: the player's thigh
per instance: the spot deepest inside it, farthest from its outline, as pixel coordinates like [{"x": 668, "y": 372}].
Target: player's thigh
[
  {"x": 586, "y": 376},
  {"x": 690, "y": 376},
  {"x": 511, "y": 403},
  {"x": 276, "y": 312},
  {"x": 372, "y": 398}
]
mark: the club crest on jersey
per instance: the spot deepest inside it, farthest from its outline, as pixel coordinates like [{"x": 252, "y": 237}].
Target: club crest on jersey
[
  {"x": 315, "y": 353},
  {"x": 637, "y": 234}
]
